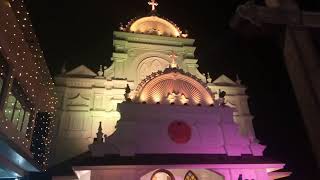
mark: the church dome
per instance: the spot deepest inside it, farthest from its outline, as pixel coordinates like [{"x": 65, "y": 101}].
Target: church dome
[
  {"x": 173, "y": 86},
  {"x": 153, "y": 24}
]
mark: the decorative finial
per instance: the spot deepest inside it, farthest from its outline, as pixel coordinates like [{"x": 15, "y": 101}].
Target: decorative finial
[
  {"x": 209, "y": 79},
  {"x": 185, "y": 34},
  {"x": 173, "y": 56},
  {"x": 122, "y": 28},
  {"x": 238, "y": 81},
  {"x": 204, "y": 75},
  {"x": 63, "y": 68},
  {"x": 222, "y": 94},
  {"x": 221, "y": 100},
  {"x": 100, "y": 72},
  {"x": 126, "y": 95},
  {"x": 153, "y": 5},
  {"x": 99, "y": 134}
]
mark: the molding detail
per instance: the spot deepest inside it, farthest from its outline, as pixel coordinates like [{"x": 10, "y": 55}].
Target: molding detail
[
  {"x": 81, "y": 71},
  {"x": 225, "y": 81},
  {"x": 78, "y": 100}
]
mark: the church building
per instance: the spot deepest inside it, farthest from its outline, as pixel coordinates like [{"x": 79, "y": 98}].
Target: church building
[{"x": 152, "y": 115}]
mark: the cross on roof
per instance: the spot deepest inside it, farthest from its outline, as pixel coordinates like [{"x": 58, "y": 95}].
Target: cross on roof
[{"x": 153, "y": 4}]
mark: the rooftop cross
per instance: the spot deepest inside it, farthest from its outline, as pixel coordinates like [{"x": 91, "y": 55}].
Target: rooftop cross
[{"x": 153, "y": 4}]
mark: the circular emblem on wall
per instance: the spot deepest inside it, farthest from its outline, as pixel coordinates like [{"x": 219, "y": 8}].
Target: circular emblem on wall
[{"x": 179, "y": 132}]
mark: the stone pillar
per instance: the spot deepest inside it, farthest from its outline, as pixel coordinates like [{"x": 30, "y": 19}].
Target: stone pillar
[{"x": 119, "y": 60}]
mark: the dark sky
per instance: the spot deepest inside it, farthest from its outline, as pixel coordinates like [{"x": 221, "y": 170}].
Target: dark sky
[{"x": 80, "y": 32}]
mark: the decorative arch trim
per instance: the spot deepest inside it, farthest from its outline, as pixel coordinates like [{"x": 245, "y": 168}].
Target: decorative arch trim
[
  {"x": 139, "y": 60},
  {"x": 163, "y": 171},
  {"x": 145, "y": 66},
  {"x": 190, "y": 176},
  {"x": 173, "y": 86}
]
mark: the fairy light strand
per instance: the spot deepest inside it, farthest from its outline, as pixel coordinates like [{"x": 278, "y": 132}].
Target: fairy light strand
[{"x": 25, "y": 57}]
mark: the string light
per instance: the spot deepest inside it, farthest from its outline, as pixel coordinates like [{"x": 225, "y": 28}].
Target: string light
[{"x": 23, "y": 51}]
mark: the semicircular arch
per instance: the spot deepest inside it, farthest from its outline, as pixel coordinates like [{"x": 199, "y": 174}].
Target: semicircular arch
[
  {"x": 174, "y": 87},
  {"x": 164, "y": 171},
  {"x": 159, "y": 61}
]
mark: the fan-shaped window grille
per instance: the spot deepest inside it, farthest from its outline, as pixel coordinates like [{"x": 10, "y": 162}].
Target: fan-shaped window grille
[
  {"x": 162, "y": 175},
  {"x": 190, "y": 176}
]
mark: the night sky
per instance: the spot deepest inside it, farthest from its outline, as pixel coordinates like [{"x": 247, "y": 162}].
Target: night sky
[{"x": 80, "y": 32}]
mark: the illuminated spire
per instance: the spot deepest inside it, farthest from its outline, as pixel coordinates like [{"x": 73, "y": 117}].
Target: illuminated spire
[
  {"x": 99, "y": 134},
  {"x": 153, "y": 4}
]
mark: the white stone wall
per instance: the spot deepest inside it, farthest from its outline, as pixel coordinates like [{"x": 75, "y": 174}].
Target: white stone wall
[
  {"x": 82, "y": 106},
  {"x": 224, "y": 172},
  {"x": 85, "y": 100},
  {"x": 237, "y": 98}
]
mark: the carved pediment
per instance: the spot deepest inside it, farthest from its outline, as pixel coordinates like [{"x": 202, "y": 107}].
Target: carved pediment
[
  {"x": 78, "y": 100},
  {"x": 223, "y": 80},
  {"x": 81, "y": 71}
]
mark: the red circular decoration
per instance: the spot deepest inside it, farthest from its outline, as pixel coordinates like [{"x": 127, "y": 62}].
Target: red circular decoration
[{"x": 179, "y": 132}]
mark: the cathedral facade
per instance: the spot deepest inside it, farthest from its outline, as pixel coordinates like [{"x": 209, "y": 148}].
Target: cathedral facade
[{"x": 156, "y": 115}]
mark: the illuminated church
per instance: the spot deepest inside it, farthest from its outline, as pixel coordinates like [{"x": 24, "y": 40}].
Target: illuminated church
[{"x": 152, "y": 115}]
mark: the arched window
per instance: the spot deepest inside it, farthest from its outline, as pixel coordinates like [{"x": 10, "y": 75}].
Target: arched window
[
  {"x": 162, "y": 174},
  {"x": 190, "y": 176}
]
